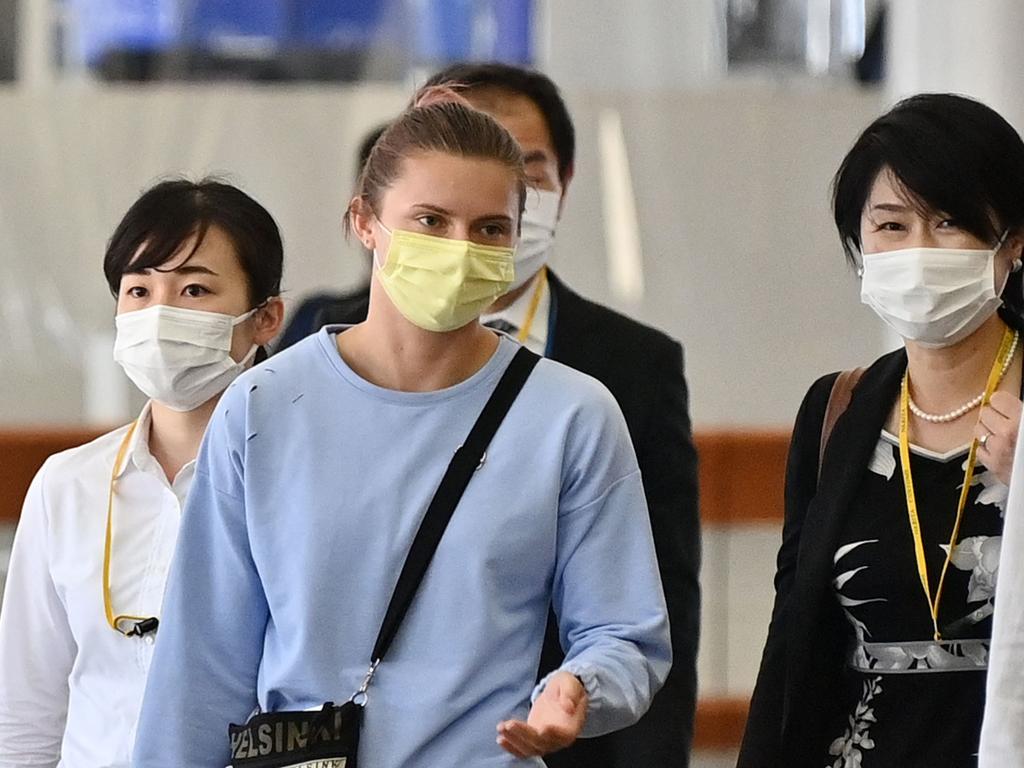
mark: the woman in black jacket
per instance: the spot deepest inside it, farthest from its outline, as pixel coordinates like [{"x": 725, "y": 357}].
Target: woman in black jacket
[{"x": 878, "y": 644}]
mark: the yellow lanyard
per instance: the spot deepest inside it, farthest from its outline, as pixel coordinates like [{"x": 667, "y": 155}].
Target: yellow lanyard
[
  {"x": 531, "y": 313},
  {"x": 994, "y": 376},
  {"x": 139, "y": 624}
]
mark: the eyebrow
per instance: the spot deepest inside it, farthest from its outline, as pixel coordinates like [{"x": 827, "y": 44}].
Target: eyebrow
[
  {"x": 434, "y": 208},
  {"x": 893, "y": 207},
  {"x": 184, "y": 269},
  {"x": 505, "y": 218},
  {"x": 445, "y": 212},
  {"x": 536, "y": 156}
]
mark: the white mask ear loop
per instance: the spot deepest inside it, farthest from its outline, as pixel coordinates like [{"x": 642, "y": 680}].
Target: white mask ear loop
[
  {"x": 249, "y": 356},
  {"x": 242, "y": 318},
  {"x": 1002, "y": 239},
  {"x": 238, "y": 321},
  {"x": 1015, "y": 265},
  {"x": 376, "y": 251}
]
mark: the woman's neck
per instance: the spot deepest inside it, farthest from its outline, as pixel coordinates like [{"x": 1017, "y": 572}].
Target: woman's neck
[
  {"x": 389, "y": 351},
  {"x": 174, "y": 437},
  {"x": 944, "y": 379}
]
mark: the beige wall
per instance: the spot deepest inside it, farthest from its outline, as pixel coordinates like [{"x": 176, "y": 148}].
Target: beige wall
[{"x": 731, "y": 184}]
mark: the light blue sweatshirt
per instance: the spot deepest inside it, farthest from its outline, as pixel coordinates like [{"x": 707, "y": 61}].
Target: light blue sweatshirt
[{"x": 310, "y": 485}]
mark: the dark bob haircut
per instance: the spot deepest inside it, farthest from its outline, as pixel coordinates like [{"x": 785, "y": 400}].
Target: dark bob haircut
[
  {"x": 168, "y": 214},
  {"x": 952, "y": 155},
  {"x": 524, "y": 82}
]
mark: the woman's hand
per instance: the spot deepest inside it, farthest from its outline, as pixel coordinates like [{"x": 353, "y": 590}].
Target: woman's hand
[
  {"x": 997, "y": 434},
  {"x": 555, "y": 721}
]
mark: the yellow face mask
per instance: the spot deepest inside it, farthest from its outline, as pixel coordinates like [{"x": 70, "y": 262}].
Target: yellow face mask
[{"x": 440, "y": 284}]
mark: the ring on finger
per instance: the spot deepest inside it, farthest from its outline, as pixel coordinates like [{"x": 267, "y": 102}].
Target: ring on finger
[{"x": 983, "y": 440}]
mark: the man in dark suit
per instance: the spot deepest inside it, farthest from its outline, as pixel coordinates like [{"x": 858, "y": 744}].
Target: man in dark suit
[{"x": 643, "y": 369}]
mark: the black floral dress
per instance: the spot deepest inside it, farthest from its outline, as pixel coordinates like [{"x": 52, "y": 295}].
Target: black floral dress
[{"x": 909, "y": 700}]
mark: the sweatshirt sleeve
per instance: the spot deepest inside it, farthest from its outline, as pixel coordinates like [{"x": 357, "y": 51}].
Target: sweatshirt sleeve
[
  {"x": 37, "y": 648},
  {"x": 210, "y": 641},
  {"x": 607, "y": 592}
]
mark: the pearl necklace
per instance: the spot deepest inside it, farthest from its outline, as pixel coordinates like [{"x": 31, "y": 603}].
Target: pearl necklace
[{"x": 970, "y": 405}]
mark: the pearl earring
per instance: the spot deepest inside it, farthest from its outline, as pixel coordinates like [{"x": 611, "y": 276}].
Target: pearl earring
[{"x": 1016, "y": 265}]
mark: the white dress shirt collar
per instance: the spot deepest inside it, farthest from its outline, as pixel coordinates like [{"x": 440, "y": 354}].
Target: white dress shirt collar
[
  {"x": 142, "y": 458},
  {"x": 515, "y": 314}
]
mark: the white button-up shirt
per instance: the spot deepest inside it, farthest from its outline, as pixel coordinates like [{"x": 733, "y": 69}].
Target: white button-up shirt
[
  {"x": 515, "y": 314},
  {"x": 70, "y": 686}
]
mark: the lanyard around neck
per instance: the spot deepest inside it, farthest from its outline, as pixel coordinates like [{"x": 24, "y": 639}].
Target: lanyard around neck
[
  {"x": 531, "y": 313},
  {"x": 994, "y": 376},
  {"x": 139, "y": 625}
]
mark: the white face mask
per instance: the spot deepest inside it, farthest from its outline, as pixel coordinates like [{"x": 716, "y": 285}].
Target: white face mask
[
  {"x": 537, "y": 235},
  {"x": 934, "y": 296},
  {"x": 179, "y": 357}
]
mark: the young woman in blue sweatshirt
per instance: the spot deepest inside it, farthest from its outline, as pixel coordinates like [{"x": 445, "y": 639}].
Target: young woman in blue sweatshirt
[{"x": 318, "y": 466}]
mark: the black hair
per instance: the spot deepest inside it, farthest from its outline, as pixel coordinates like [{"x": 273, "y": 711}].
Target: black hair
[
  {"x": 951, "y": 154},
  {"x": 525, "y": 82},
  {"x": 168, "y": 214}
]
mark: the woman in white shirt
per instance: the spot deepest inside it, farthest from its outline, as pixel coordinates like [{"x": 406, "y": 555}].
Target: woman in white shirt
[{"x": 196, "y": 270}]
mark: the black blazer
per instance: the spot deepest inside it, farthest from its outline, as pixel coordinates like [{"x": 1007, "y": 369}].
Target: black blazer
[
  {"x": 643, "y": 369},
  {"x": 794, "y": 700}
]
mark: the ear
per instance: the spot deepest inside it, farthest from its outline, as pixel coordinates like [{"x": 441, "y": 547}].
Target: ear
[
  {"x": 361, "y": 219},
  {"x": 1015, "y": 243},
  {"x": 566, "y": 181},
  {"x": 267, "y": 321}
]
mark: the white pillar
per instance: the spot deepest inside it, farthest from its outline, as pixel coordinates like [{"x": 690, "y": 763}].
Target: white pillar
[
  {"x": 975, "y": 48},
  {"x": 35, "y": 60}
]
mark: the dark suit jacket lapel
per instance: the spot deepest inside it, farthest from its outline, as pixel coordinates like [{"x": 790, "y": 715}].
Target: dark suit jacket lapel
[{"x": 573, "y": 323}]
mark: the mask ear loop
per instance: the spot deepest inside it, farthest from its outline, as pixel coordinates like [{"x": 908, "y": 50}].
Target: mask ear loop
[
  {"x": 243, "y": 317},
  {"x": 376, "y": 251},
  {"x": 251, "y": 354}
]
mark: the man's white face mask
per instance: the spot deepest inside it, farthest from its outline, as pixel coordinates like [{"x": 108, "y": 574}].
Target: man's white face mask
[{"x": 537, "y": 234}]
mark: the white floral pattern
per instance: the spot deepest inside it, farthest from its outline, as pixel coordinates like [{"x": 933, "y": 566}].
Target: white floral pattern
[
  {"x": 993, "y": 490},
  {"x": 849, "y": 748},
  {"x": 911, "y": 661},
  {"x": 883, "y": 460},
  {"x": 918, "y": 656}
]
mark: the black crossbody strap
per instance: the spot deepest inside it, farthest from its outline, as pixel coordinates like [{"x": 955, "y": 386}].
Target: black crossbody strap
[{"x": 460, "y": 471}]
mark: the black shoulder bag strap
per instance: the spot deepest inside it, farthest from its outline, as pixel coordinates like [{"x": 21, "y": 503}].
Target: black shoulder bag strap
[
  {"x": 330, "y": 736},
  {"x": 468, "y": 458}
]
